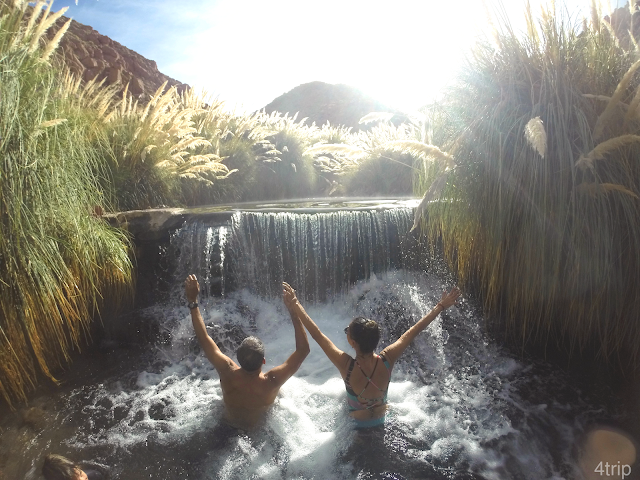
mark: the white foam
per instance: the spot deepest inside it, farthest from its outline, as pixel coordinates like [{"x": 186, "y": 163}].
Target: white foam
[{"x": 448, "y": 402}]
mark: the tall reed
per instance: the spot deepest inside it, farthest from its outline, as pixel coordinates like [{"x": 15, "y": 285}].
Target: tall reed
[
  {"x": 152, "y": 147},
  {"x": 548, "y": 229},
  {"x": 385, "y": 160},
  {"x": 58, "y": 263}
]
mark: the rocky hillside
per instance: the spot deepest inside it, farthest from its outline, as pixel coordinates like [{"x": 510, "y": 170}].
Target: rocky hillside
[
  {"x": 623, "y": 21},
  {"x": 90, "y": 55},
  {"x": 322, "y": 102}
]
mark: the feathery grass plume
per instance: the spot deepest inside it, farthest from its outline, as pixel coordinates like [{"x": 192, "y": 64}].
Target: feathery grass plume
[
  {"x": 621, "y": 89},
  {"x": 52, "y": 123},
  {"x": 350, "y": 151},
  {"x": 293, "y": 174},
  {"x": 46, "y": 20},
  {"x": 376, "y": 117},
  {"x": 536, "y": 135},
  {"x": 604, "y": 148},
  {"x": 366, "y": 163},
  {"x": 35, "y": 13},
  {"x": 419, "y": 150},
  {"x": 632, "y": 110},
  {"x": 53, "y": 44},
  {"x": 239, "y": 141},
  {"x": 386, "y": 170},
  {"x": 60, "y": 266},
  {"x": 593, "y": 189},
  {"x": 91, "y": 96},
  {"x": 148, "y": 145},
  {"x": 551, "y": 244}
]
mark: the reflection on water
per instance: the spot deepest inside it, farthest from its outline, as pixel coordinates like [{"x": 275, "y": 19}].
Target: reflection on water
[{"x": 459, "y": 407}]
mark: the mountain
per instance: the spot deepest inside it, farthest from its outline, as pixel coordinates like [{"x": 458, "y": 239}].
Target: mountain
[
  {"x": 90, "y": 55},
  {"x": 321, "y": 102}
]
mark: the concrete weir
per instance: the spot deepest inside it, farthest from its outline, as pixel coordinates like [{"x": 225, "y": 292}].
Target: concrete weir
[{"x": 155, "y": 224}]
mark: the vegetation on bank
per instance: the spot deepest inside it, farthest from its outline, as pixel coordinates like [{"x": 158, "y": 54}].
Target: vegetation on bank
[
  {"x": 531, "y": 157},
  {"x": 58, "y": 263},
  {"x": 71, "y": 150},
  {"x": 541, "y": 212}
]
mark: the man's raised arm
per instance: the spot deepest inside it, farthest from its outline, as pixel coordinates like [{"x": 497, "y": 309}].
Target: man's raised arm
[
  {"x": 220, "y": 361},
  {"x": 282, "y": 373}
]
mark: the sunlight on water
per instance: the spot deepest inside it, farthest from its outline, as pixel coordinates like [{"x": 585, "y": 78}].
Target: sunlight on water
[
  {"x": 459, "y": 406},
  {"x": 453, "y": 398}
]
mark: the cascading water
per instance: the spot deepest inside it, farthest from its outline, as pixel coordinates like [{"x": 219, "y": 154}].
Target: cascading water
[
  {"x": 322, "y": 254},
  {"x": 459, "y": 406}
]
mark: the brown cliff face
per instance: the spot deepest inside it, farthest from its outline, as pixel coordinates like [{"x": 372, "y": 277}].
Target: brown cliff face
[
  {"x": 89, "y": 55},
  {"x": 623, "y": 21}
]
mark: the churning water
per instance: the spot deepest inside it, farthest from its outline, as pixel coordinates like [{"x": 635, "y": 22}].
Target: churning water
[{"x": 459, "y": 406}]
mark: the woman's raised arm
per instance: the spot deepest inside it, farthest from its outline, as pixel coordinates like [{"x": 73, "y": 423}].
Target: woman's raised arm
[
  {"x": 337, "y": 356},
  {"x": 393, "y": 351}
]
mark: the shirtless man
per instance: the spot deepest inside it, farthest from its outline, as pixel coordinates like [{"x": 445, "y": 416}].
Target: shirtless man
[{"x": 246, "y": 391}]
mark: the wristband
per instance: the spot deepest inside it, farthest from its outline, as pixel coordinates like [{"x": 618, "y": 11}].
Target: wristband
[
  {"x": 192, "y": 305},
  {"x": 441, "y": 305}
]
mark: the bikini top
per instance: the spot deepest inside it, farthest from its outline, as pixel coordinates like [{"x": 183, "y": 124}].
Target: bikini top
[{"x": 356, "y": 400}]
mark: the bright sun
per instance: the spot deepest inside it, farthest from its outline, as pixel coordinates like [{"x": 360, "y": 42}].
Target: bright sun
[{"x": 402, "y": 53}]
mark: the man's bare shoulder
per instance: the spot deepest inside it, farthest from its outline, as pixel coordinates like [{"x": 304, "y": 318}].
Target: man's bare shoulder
[{"x": 230, "y": 367}]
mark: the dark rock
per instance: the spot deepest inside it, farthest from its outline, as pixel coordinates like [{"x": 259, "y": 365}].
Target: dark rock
[
  {"x": 89, "y": 62},
  {"x": 90, "y": 74},
  {"x": 34, "y": 418},
  {"x": 114, "y": 75},
  {"x": 136, "y": 86}
]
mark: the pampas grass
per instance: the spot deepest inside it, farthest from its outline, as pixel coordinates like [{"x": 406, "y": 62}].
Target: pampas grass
[
  {"x": 547, "y": 231},
  {"x": 604, "y": 148},
  {"x": 621, "y": 90},
  {"x": 536, "y": 135},
  {"x": 60, "y": 266}
]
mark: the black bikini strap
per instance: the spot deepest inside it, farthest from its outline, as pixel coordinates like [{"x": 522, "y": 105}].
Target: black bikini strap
[
  {"x": 349, "y": 370},
  {"x": 374, "y": 369}
]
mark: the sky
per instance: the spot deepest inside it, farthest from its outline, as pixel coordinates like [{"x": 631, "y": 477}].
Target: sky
[{"x": 248, "y": 52}]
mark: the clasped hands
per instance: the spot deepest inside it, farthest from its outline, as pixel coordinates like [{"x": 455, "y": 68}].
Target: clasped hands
[{"x": 288, "y": 295}]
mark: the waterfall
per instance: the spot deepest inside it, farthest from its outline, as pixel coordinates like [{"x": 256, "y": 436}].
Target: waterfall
[
  {"x": 199, "y": 248},
  {"x": 321, "y": 254},
  {"x": 459, "y": 405}
]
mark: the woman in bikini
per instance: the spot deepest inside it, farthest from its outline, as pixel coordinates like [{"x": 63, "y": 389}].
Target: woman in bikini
[{"x": 367, "y": 376}]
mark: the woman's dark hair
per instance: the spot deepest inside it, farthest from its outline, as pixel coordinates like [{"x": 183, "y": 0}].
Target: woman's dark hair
[
  {"x": 365, "y": 332},
  {"x": 57, "y": 467}
]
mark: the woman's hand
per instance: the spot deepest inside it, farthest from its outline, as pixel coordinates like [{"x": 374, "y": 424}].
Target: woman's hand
[
  {"x": 191, "y": 288},
  {"x": 450, "y": 298},
  {"x": 288, "y": 295}
]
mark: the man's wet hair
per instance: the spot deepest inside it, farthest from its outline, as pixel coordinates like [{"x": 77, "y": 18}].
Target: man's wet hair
[
  {"x": 250, "y": 353},
  {"x": 365, "y": 332},
  {"x": 57, "y": 467}
]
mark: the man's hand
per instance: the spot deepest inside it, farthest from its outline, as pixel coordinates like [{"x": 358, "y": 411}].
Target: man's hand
[
  {"x": 450, "y": 298},
  {"x": 191, "y": 288},
  {"x": 288, "y": 295}
]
